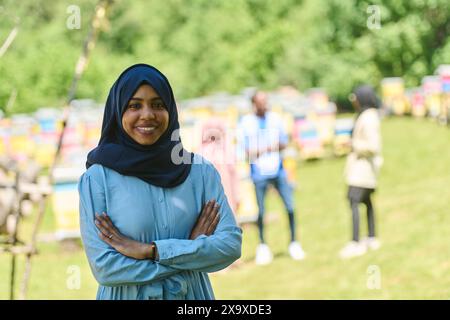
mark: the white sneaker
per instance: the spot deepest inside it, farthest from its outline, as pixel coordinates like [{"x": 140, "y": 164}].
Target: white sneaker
[
  {"x": 353, "y": 249},
  {"x": 296, "y": 251},
  {"x": 263, "y": 254},
  {"x": 372, "y": 243}
]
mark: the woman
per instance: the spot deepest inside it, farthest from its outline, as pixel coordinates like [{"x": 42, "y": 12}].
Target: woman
[
  {"x": 363, "y": 165},
  {"x": 153, "y": 222}
]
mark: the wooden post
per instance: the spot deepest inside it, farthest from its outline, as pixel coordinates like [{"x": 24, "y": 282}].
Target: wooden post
[
  {"x": 16, "y": 214},
  {"x": 11, "y": 100},
  {"x": 89, "y": 44},
  {"x": 12, "y": 35},
  {"x": 27, "y": 272}
]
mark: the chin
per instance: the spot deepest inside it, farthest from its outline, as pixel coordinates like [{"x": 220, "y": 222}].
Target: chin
[
  {"x": 147, "y": 143},
  {"x": 147, "y": 140}
]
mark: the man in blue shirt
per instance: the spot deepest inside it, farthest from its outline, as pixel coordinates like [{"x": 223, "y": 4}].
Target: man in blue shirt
[{"x": 264, "y": 138}]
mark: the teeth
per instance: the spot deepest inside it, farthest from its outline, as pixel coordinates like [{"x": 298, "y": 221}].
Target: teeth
[{"x": 146, "y": 128}]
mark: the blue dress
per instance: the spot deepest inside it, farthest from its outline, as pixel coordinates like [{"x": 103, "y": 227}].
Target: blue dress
[{"x": 166, "y": 216}]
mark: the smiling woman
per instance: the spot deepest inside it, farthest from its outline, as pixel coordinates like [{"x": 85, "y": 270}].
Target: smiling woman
[{"x": 152, "y": 228}]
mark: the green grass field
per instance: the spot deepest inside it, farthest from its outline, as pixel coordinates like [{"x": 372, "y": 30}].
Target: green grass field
[{"x": 413, "y": 221}]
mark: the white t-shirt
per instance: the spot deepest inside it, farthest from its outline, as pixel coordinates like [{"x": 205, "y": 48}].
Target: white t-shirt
[{"x": 258, "y": 133}]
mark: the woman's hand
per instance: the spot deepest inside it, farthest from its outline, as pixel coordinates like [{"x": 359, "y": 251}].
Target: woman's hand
[
  {"x": 207, "y": 221},
  {"x": 126, "y": 246}
]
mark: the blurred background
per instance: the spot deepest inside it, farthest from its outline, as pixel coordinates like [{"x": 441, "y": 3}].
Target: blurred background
[{"x": 58, "y": 60}]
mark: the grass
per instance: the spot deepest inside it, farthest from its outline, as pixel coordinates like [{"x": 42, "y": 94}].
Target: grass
[{"x": 413, "y": 223}]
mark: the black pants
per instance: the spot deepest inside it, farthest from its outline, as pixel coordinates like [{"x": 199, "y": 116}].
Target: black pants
[{"x": 357, "y": 195}]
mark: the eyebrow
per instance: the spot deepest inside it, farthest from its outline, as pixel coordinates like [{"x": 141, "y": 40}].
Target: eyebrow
[{"x": 141, "y": 99}]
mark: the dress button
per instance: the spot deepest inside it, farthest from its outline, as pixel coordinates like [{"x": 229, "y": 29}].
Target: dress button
[
  {"x": 165, "y": 226},
  {"x": 160, "y": 199}
]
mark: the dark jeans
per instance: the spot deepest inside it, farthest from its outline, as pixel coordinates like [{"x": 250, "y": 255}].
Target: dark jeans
[
  {"x": 357, "y": 195},
  {"x": 285, "y": 191}
]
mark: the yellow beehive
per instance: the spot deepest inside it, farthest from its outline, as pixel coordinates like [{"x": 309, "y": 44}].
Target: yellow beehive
[
  {"x": 65, "y": 201},
  {"x": 393, "y": 93},
  {"x": 248, "y": 208},
  {"x": 65, "y": 205},
  {"x": 203, "y": 112},
  {"x": 290, "y": 165},
  {"x": 325, "y": 127},
  {"x": 288, "y": 122},
  {"x": 22, "y": 146},
  {"x": 44, "y": 154}
]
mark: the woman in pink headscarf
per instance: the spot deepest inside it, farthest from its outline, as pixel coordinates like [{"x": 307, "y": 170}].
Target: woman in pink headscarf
[{"x": 219, "y": 151}]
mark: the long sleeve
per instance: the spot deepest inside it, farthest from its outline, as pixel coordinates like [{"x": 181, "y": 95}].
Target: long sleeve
[
  {"x": 369, "y": 144},
  {"x": 206, "y": 253},
  {"x": 110, "y": 268}
]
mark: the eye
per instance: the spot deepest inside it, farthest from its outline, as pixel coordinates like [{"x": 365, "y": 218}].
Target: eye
[
  {"x": 134, "y": 106},
  {"x": 158, "y": 105}
]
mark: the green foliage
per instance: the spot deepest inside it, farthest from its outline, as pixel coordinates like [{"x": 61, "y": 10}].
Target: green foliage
[{"x": 206, "y": 46}]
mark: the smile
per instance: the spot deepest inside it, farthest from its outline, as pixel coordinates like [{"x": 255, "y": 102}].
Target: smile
[{"x": 146, "y": 130}]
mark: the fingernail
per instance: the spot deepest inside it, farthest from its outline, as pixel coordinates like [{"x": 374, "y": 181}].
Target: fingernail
[
  {"x": 104, "y": 214},
  {"x": 96, "y": 221}
]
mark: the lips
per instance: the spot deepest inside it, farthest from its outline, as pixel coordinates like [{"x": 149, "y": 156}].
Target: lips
[{"x": 146, "y": 129}]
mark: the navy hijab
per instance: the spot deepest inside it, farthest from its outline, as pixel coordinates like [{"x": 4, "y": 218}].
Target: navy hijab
[
  {"x": 118, "y": 151},
  {"x": 366, "y": 97}
]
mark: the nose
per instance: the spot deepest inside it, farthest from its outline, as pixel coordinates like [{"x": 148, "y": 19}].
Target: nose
[{"x": 147, "y": 113}]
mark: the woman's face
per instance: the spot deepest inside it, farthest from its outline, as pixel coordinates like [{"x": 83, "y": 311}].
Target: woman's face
[{"x": 145, "y": 118}]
